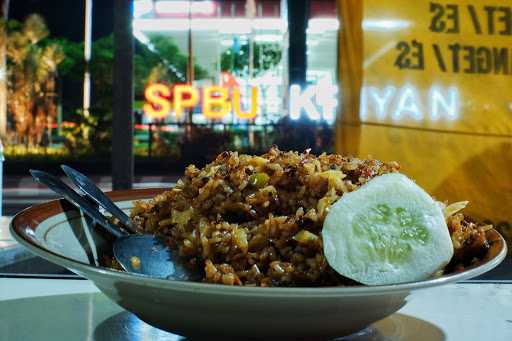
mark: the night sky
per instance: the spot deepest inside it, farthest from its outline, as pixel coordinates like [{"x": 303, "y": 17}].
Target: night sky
[{"x": 65, "y": 18}]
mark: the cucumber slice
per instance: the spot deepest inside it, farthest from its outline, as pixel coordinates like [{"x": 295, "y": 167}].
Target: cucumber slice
[{"x": 388, "y": 231}]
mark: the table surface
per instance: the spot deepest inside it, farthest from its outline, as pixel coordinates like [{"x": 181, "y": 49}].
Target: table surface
[
  {"x": 42, "y": 309},
  {"x": 70, "y": 309}
]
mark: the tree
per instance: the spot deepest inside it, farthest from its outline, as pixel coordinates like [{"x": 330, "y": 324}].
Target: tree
[
  {"x": 32, "y": 72},
  {"x": 162, "y": 61},
  {"x": 4, "y": 11},
  {"x": 159, "y": 61},
  {"x": 236, "y": 59}
]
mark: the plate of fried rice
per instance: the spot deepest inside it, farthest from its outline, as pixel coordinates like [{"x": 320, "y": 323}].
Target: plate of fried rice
[{"x": 252, "y": 225}]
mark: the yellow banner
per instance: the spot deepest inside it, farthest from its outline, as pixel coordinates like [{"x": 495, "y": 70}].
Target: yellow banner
[
  {"x": 437, "y": 97},
  {"x": 439, "y": 65}
]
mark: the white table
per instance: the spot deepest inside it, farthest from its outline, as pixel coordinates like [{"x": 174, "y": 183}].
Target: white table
[
  {"x": 52, "y": 309},
  {"x": 70, "y": 309}
]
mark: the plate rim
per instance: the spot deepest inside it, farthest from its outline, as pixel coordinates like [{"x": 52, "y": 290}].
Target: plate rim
[{"x": 53, "y": 207}]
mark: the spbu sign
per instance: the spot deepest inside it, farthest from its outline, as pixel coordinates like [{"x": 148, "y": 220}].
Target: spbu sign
[
  {"x": 216, "y": 101},
  {"x": 318, "y": 102}
]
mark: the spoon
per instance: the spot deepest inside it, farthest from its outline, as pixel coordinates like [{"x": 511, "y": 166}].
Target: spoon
[
  {"x": 87, "y": 186},
  {"x": 144, "y": 254}
]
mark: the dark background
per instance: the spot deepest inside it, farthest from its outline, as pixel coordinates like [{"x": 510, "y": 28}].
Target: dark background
[{"x": 65, "y": 18}]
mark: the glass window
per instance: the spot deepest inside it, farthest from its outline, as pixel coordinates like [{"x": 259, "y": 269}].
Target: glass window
[{"x": 241, "y": 88}]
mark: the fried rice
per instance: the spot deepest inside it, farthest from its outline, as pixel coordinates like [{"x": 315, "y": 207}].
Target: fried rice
[{"x": 257, "y": 220}]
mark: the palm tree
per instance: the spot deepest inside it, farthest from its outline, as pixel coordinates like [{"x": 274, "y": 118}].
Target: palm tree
[
  {"x": 32, "y": 74},
  {"x": 45, "y": 101}
]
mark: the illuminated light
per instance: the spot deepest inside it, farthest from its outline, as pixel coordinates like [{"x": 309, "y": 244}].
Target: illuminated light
[
  {"x": 312, "y": 43},
  {"x": 142, "y": 7},
  {"x": 318, "y": 102},
  {"x": 206, "y": 24},
  {"x": 377, "y": 55},
  {"x": 228, "y": 80},
  {"x": 272, "y": 99},
  {"x": 172, "y": 7},
  {"x": 268, "y": 38},
  {"x": 183, "y": 7},
  {"x": 235, "y": 26},
  {"x": 161, "y": 25},
  {"x": 381, "y": 100},
  {"x": 141, "y": 37},
  {"x": 326, "y": 98},
  {"x": 408, "y": 104},
  {"x": 203, "y": 7},
  {"x": 181, "y": 102},
  {"x": 269, "y": 24},
  {"x": 158, "y": 105},
  {"x": 404, "y": 102},
  {"x": 295, "y": 110},
  {"x": 444, "y": 103},
  {"x": 267, "y": 79},
  {"x": 222, "y": 25},
  {"x": 322, "y": 25},
  {"x": 303, "y": 100},
  {"x": 385, "y": 25},
  {"x": 227, "y": 42},
  {"x": 253, "y": 108},
  {"x": 363, "y": 104},
  {"x": 215, "y": 102}
]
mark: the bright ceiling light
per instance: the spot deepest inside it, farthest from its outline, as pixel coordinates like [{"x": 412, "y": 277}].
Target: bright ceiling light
[
  {"x": 269, "y": 24},
  {"x": 203, "y": 7},
  {"x": 172, "y": 7},
  {"x": 238, "y": 26},
  {"x": 385, "y": 25},
  {"x": 227, "y": 42},
  {"x": 142, "y": 7},
  {"x": 235, "y": 26},
  {"x": 322, "y": 25},
  {"x": 205, "y": 24},
  {"x": 141, "y": 37},
  {"x": 183, "y": 7},
  {"x": 161, "y": 25},
  {"x": 268, "y": 38}
]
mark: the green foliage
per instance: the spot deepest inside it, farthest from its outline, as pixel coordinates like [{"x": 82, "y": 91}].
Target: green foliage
[
  {"x": 165, "y": 144},
  {"x": 72, "y": 65},
  {"x": 100, "y": 68},
  {"x": 266, "y": 56},
  {"x": 91, "y": 134},
  {"x": 32, "y": 65},
  {"x": 22, "y": 152},
  {"x": 162, "y": 61},
  {"x": 29, "y": 46}
]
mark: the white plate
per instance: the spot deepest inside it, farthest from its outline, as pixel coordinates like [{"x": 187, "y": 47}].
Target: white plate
[{"x": 59, "y": 234}]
